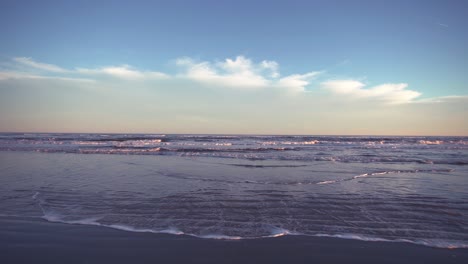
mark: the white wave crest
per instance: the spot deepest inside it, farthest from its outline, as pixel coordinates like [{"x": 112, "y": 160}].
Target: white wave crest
[
  {"x": 428, "y": 142},
  {"x": 326, "y": 182}
]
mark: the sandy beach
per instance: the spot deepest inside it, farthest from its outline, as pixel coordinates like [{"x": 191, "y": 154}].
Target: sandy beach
[{"x": 32, "y": 240}]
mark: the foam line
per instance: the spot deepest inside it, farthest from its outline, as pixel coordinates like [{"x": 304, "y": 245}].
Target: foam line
[{"x": 276, "y": 232}]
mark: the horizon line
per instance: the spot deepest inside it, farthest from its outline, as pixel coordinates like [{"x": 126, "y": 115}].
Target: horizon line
[{"x": 236, "y": 134}]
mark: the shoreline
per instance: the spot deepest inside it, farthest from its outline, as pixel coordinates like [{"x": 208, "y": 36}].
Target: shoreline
[{"x": 27, "y": 240}]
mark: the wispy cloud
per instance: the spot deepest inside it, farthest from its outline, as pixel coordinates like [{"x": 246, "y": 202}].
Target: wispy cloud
[
  {"x": 123, "y": 72},
  {"x": 394, "y": 93},
  {"x": 6, "y": 75},
  {"x": 443, "y": 99},
  {"x": 344, "y": 62},
  {"x": 39, "y": 65},
  {"x": 442, "y": 25}
]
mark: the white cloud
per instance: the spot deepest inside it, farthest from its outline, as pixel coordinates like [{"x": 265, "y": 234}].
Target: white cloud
[
  {"x": 38, "y": 65},
  {"x": 272, "y": 66},
  {"x": 394, "y": 93},
  {"x": 243, "y": 73},
  {"x": 238, "y": 73},
  {"x": 21, "y": 75},
  {"x": 235, "y": 73},
  {"x": 297, "y": 82},
  {"x": 443, "y": 99},
  {"x": 123, "y": 72}
]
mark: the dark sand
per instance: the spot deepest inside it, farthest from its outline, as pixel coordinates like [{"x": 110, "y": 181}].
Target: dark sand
[{"x": 29, "y": 240}]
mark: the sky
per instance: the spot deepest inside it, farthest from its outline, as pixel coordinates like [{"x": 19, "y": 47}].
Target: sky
[{"x": 357, "y": 67}]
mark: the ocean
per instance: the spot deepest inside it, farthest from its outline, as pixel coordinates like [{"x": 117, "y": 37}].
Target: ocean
[{"x": 234, "y": 187}]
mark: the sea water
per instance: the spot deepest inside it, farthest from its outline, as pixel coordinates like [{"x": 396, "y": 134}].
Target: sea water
[{"x": 400, "y": 189}]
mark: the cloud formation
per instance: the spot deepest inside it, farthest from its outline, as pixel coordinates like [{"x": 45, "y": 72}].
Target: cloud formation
[
  {"x": 234, "y": 95},
  {"x": 6, "y": 75},
  {"x": 123, "y": 72},
  {"x": 394, "y": 93},
  {"x": 242, "y": 73},
  {"x": 38, "y": 65},
  {"x": 444, "y": 99},
  {"x": 239, "y": 73}
]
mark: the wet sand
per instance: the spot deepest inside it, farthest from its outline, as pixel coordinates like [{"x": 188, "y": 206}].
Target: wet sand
[{"x": 33, "y": 240}]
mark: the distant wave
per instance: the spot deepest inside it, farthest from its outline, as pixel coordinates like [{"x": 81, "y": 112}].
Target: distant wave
[
  {"x": 359, "y": 149},
  {"x": 265, "y": 140},
  {"x": 267, "y": 166},
  {"x": 380, "y": 173},
  {"x": 248, "y": 153}
]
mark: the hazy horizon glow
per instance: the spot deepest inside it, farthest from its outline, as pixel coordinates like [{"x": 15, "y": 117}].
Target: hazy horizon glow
[{"x": 286, "y": 68}]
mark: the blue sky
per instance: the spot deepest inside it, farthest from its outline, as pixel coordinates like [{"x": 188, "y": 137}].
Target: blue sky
[{"x": 357, "y": 67}]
